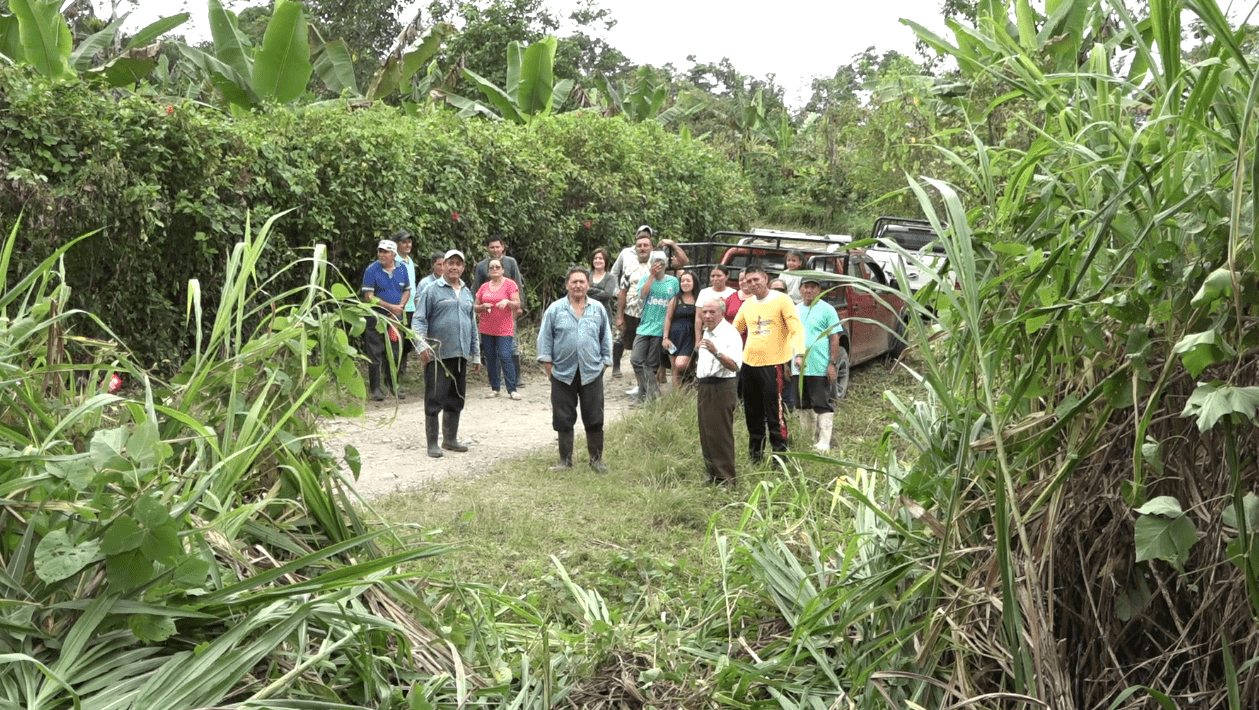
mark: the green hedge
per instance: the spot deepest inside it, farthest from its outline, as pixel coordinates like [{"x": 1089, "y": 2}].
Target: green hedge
[{"x": 170, "y": 186}]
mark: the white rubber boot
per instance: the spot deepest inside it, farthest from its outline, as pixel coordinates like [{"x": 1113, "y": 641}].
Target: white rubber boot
[
  {"x": 808, "y": 423},
  {"x": 825, "y": 425}
]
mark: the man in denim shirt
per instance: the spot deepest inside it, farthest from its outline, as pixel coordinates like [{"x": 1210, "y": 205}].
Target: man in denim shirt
[
  {"x": 574, "y": 346},
  {"x": 447, "y": 340}
]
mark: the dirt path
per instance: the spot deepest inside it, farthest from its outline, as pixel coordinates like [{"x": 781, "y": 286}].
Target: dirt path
[{"x": 391, "y": 440}]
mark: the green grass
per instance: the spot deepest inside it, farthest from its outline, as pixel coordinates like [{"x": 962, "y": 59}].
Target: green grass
[{"x": 652, "y": 511}]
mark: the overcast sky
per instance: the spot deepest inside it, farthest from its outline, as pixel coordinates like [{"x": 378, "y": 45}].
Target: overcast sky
[{"x": 795, "y": 40}]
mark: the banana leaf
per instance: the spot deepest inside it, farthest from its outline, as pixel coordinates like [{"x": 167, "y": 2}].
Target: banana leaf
[
  {"x": 282, "y": 66},
  {"x": 335, "y": 67},
  {"x": 11, "y": 38},
  {"x": 46, "y": 39},
  {"x": 537, "y": 78},
  {"x": 150, "y": 33},
  {"x": 230, "y": 46},
  {"x": 81, "y": 57},
  {"x": 226, "y": 79},
  {"x": 501, "y": 100},
  {"x": 400, "y": 66}
]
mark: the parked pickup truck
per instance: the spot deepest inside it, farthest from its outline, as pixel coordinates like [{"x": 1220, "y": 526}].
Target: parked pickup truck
[{"x": 915, "y": 236}]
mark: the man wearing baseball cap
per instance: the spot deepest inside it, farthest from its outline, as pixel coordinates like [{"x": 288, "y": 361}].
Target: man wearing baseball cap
[
  {"x": 447, "y": 340},
  {"x": 387, "y": 287}
]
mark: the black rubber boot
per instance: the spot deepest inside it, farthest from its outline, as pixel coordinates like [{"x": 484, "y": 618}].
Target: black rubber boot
[
  {"x": 430, "y": 429},
  {"x": 373, "y": 379},
  {"x": 617, "y": 351},
  {"x": 594, "y": 445},
  {"x": 450, "y": 432},
  {"x": 566, "y": 451}
]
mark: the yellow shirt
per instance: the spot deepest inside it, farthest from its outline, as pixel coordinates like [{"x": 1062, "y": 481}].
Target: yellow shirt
[{"x": 773, "y": 328}]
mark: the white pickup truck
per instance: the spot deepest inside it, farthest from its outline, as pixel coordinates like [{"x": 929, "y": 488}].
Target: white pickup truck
[{"x": 914, "y": 236}]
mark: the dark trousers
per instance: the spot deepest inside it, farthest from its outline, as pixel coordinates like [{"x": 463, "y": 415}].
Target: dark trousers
[
  {"x": 630, "y": 332},
  {"x": 817, "y": 394},
  {"x": 715, "y": 403},
  {"x": 566, "y": 399},
  {"x": 380, "y": 349},
  {"x": 763, "y": 408},
  {"x": 445, "y": 385},
  {"x": 645, "y": 359}
]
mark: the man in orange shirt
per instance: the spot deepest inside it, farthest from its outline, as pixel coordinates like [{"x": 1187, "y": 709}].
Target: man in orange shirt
[{"x": 774, "y": 334}]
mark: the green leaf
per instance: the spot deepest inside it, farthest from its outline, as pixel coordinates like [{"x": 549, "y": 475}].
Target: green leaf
[
  {"x": 353, "y": 460},
  {"x": 57, "y": 558},
  {"x": 401, "y": 65},
  {"x": 150, "y": 512},
  {"x": 1202, "y": 350},
  {"x": 234, "y": 87},
  {"x": 230, "y": 46},
  {"x": 1168, "y": 539},
  {"x": 11, "y": 38},
  {"x": 1162, "y": 505},
  {"x": 150, "y": 33},
  {"x": 81, "y": 57},
  {"x": 537, "y": 78},
  {"x": 499, "y": 98},
  {"x": 282, "y": 67},
  {"x": 123, "y": 535},
  {"x": 335, "y": 68},
  {"x": 161, "y": 544},
  {"x": 153, "y": 629},
  {"x": 46, "y": 39},
  {"x": 1218, "y": 284},
  {"x": 1209, "y": 403},
  {"x": 129, "y": 68},
  {"x": 341, "y": 292},
  {"x": 128, "y": 570},
  {"x": 1251, "y": 503}
]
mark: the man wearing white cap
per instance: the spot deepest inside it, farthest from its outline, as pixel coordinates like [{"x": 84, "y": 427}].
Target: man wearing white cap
[
  {"x": 447, "y": 340},
  {"x": 387, "y": 287}
]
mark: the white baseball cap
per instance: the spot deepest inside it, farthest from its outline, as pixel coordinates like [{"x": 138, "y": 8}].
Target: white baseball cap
[
  {"x": 456, "y": 252},
  {"x": 388, "y": 244}
]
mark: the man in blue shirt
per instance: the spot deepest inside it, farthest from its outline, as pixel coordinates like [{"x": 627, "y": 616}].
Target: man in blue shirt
[
  {"x": 387, "y": 288},
  {"x": 447, "y": 339},
  {"x": 574, "y": 347}
]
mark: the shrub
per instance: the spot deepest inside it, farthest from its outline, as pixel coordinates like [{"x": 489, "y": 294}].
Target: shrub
[{"x": 169, "y": 187}]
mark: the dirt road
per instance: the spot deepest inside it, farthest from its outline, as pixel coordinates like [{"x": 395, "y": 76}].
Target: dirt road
[{"x": 390, "y": 439}]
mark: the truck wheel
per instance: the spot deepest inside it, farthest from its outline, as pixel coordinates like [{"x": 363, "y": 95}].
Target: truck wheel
[
  {"x": 896, "y": 340},
  {"x": 839, "y": 388}
]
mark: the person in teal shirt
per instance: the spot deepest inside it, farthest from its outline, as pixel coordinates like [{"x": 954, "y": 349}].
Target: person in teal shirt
[
  {"x": 817, "y": 367},
  {"x": 657, "y": 288}
]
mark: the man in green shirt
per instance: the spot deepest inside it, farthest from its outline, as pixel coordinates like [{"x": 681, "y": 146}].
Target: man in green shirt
[{"x": 655, "y": 289}]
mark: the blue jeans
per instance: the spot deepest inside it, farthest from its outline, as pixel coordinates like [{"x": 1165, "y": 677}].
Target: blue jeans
[{"x": 497, "y": 352}]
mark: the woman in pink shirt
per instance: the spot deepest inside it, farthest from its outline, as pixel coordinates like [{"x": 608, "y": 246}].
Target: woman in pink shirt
[{"x": 496, "y": 302}]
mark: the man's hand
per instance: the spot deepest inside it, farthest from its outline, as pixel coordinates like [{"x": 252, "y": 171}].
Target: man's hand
[
  {"x": 620, "y": 322},
  {"x": 657, "y": 270},
  {"x": 547, "y": 366},
  {"x": 426, "y": 356},
  {"x": 476, "y": 367},
  {"x": 832, "y": 372}
]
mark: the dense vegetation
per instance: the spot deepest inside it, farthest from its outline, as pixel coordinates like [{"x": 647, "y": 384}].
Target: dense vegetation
[{"x": 171, "y": 185}]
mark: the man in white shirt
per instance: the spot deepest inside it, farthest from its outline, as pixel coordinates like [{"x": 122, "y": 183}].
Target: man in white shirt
[{"x": 719, "y": 355}]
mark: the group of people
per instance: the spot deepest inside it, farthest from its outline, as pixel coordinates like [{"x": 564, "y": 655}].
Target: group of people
[
  {"x": 453, "y": 324},
  {"x": 746, "y": 342}
]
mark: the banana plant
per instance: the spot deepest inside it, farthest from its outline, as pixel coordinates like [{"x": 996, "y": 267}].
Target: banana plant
[
  {"x": 412, "y": 49},
  {"x": 643, "y": 99},
  {"x": 531, "y": 89},
  {"x": 247, "y": 76},
  {"x": 37, "y": 34}
]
